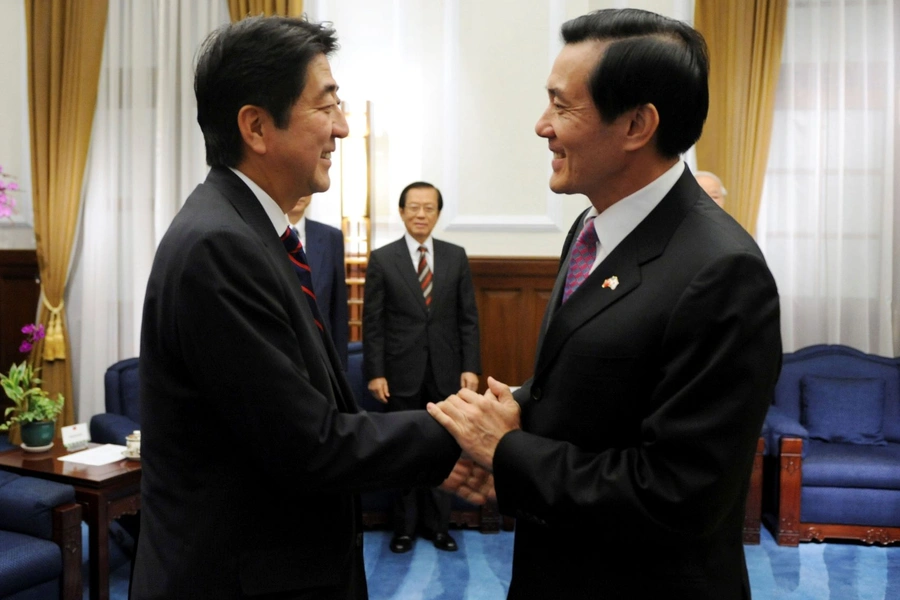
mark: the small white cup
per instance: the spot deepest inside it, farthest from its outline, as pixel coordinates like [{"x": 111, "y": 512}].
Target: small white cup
[{"x": 133, "y": 444}]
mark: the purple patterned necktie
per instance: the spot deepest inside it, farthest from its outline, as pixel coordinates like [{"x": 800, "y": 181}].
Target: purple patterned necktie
[{"x": 583, "y": 255}]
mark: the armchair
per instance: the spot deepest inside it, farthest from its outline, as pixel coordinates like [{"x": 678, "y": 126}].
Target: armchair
[
  {"x": 123, "y": 407},
  {"x": 376, "y": 506},
  {"x": 833, "y": 447},
  {"x": 40, "y": 539}
]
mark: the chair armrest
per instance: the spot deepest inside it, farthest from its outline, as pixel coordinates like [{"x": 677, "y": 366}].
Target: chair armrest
[
  {"x": 779, "y": 425},
  {"x": 110, "y": 428},
  {"x": 27, "y": 503}
]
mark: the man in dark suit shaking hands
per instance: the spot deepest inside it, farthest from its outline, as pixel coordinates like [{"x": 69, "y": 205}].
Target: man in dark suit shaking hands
[
  {"x": 324, "y": 246},
  {"x": 626, "y": 458},
  {"x": 253, "y": 449},
  {"x": 420, "y": 340}
]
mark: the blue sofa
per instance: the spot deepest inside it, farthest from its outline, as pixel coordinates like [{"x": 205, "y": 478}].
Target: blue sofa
[
  {"x": 123, "y": 407},
  {"x": 40, "y": 539},
  {"x": 833, "y": 447},
  {"x": 376, "y": 506}
]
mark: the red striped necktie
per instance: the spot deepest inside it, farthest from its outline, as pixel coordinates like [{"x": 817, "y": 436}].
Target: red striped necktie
[
  {"x": 294, "y": 248},
  {"x": 424, "y": 273}
]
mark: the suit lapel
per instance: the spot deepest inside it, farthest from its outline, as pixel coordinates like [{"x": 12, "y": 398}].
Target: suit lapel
[
  {"x": 249, "y": 208},
  {"x": 443, "y": 260},
  {"x": 316, "y": 253},
  {"x": 647, "y": 242},
  {"x": 403, "y": 264}
]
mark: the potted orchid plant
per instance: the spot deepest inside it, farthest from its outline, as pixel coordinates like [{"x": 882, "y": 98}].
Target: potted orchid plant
[{"x": 33, "y": 408}]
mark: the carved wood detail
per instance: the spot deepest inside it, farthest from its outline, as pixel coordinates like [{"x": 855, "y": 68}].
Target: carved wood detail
[
  {"x": 789, "y": 492},
  {"x": 864, "y": 533}
]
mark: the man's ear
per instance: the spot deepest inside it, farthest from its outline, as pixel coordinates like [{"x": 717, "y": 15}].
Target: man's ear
[
  {"x": 253, "y": 121},
  {"x": 642, "y": 127}
]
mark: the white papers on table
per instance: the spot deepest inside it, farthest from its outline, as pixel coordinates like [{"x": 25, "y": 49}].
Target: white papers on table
[{"x": 101, "y": 455}]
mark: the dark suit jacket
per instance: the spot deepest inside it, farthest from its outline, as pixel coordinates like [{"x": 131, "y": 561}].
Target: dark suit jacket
[
  {"x": 640, "y": 423},
  {"x": 252, "y": 447},
  {"x": 325, "y": 253},
  {"x": 400, "y": 334}
]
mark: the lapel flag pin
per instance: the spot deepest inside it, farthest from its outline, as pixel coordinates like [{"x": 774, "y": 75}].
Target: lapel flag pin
[{"x": 611, "y": 283}]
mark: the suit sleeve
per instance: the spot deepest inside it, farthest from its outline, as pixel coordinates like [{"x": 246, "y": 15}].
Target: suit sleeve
[
  {"x": 470, "y": 341},
  {"x": 718, "y": 363},
  {"x": 338, "y": 309},
  {"x": 260, "y": 373},
  {"x": 374, "y": 320}
]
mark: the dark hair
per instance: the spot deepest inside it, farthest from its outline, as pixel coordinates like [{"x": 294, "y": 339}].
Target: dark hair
[
  {"x": 651, "y": 59},
  {"x": 261, "y": 61},
  {"x": 421, "y": 185}
]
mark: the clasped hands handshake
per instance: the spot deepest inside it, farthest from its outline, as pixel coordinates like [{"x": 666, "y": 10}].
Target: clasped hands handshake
[{"x": 477, "y": 422}]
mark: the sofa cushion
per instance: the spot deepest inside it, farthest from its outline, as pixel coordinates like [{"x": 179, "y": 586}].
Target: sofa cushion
[
  {"x": 26, "y": 561},
  {"x": 827, "y": 464},
  {"x": 845, "y": 410},
  {"x": 27, "y": 503},
  {"x": 850, "y": 506}
]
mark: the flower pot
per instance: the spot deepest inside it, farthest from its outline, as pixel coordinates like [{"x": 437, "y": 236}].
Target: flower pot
[{"x": 39, "y": 433}]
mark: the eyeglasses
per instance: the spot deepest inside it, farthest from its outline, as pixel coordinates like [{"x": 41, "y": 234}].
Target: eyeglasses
[{"x": 428, "y": 208}]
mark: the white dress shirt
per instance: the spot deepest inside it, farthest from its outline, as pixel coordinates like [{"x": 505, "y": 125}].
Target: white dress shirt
[
  {"x": 274, "y": 212},
  {"x": 413, "y": 246},
  {"x": 300, "y": 228},
  {"x": 620, "y": 219}
]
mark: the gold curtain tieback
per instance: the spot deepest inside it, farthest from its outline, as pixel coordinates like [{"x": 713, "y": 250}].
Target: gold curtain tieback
[{"x": 54, "y": 343}]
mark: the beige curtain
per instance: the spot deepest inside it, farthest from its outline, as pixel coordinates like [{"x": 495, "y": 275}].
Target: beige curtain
[
  {"x": 238, "y": 9},
  {"x": 65, "y": 46},
  {"x": 745, "y": 40}
]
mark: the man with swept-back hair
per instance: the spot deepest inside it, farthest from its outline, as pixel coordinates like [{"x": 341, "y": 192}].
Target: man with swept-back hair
[
  {"x": 626, "y": 457},
  {"x": 253, "y": 449}
]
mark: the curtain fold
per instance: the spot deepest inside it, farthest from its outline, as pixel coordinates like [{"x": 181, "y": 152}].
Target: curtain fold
[
  {"x": 828, "y": 221},
  {"x": 745, "y": 42},
  {"x": 65, "y": 42},
  {"x": 238, "y": 9},
  {"x": 147, "y": 155}
]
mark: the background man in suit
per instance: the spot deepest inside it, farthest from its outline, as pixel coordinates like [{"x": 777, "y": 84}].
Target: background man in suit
[
  {"x": 420, "y": 339},
  {"x": 712, "y": 185},
  {"x": 324, "y": 246},
  {"x": 660, "y": 347},
  {"x": 253, "y": 448}
]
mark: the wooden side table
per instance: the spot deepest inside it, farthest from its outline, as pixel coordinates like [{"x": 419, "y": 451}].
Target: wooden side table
[{"x": 106, "y": 492}]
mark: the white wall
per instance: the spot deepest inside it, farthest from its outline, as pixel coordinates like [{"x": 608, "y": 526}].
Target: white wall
[
  {"x": 456, "y": 87},
  {"x": 14, "y": 149}
]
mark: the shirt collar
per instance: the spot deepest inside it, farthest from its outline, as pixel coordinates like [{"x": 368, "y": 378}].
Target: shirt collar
[
  {"x": 620, "y": 219},
  {"x": 273, "y": 211},
  {"x": 413, "y": 245},
  {"x": 300, "y": 225}
]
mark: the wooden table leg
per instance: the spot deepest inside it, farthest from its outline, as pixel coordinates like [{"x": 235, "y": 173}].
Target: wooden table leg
[{"x": 97, "y": 517}]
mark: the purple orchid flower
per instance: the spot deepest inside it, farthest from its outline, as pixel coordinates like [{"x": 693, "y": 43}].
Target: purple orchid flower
[{"x": 34, "y": 333}]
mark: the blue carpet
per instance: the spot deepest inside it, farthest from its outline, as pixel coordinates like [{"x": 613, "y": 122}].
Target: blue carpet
[{"x": 481, "y": 570}]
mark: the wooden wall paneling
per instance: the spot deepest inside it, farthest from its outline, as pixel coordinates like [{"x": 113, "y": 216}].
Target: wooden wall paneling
[
  {"x": 19, "y": 294},
  {"x": 512, "y": 294}
]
